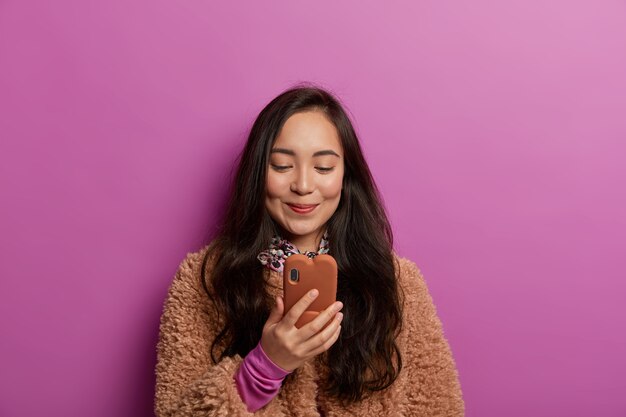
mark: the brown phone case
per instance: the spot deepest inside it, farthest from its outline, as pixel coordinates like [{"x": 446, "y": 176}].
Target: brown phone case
[{"x": 319, "y": 272}]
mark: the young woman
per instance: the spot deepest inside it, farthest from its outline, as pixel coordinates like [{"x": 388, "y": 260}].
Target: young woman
[{"x": 228, "y": 348}]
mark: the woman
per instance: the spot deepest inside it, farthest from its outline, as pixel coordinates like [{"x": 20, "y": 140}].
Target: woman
[{"x": 228, "y": 348}]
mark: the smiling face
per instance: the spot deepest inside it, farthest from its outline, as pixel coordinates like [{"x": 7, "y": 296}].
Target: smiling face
[{"x": 304, "y": 178}]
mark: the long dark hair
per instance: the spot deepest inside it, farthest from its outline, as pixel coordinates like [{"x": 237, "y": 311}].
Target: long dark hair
[{"x": 366, "y": 357}]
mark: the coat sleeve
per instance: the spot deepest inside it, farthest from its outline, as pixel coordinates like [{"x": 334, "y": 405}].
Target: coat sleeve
[
  {"x": 433, "y": 387},
  {"x": 188, "y": 383}
]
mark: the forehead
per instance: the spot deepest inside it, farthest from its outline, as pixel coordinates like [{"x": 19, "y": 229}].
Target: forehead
[{"x": 308, "y": 131}]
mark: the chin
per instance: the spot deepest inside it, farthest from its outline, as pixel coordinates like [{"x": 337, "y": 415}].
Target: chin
[{"x": 301, "y": 231}]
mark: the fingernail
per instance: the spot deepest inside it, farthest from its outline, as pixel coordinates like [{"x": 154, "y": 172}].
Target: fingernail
[
  {"x": 313, "y": 293},
  {"x": 339, "y": 317},
  {"x": 338, "y": 306}
]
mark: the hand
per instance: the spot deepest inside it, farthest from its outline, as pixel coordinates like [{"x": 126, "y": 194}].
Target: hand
[{"x": 289, "y": 347}]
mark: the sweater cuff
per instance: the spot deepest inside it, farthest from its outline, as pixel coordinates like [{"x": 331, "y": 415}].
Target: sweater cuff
[
  {"x": 269, "y": 368},
  {"x": 258, "y": 379}
]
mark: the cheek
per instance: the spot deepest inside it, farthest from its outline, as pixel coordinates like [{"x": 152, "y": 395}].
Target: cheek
[
  {"x": 332, "y": 187},
  {"x": 276, "y": 186}
]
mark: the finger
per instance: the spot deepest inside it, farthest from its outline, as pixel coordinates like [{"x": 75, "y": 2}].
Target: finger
[
  {"x": 322, "y": 337},
  {"x": 300, "y": 307},
  {"x": 277, "y": 312},
  {"x": 326, "y": 345},
  {"x": 310, "y": 329}
]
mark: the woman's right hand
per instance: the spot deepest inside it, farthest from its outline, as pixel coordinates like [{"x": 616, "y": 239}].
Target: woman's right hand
[{"x": 289, "y": 347}]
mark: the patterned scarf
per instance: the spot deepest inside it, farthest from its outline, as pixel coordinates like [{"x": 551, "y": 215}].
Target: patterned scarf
[{"x": 280, "y": 249}]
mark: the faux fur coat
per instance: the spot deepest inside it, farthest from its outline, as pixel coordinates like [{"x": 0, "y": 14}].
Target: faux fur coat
[{"x": 189, "y": 384}]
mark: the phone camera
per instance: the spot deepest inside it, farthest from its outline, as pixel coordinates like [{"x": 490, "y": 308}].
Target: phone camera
[{"x": 294, "y": 275}]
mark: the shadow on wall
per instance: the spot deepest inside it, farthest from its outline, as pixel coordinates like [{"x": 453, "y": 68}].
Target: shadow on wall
[
  {"x": 143, "y": 402},
  {"x": 141, "y": 386}
]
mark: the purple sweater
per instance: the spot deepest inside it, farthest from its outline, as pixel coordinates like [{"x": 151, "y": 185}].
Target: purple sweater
[{"x": 258, "y": 379}]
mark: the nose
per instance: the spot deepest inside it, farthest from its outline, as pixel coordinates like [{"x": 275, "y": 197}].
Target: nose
[{"x": 302, "y": 183}]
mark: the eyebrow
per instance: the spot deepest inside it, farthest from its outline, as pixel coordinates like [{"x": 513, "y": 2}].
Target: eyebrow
[{"x": 318, "y": 153}]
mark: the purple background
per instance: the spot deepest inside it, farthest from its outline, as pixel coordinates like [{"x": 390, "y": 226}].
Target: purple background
[{"x": 495, "y": 129}]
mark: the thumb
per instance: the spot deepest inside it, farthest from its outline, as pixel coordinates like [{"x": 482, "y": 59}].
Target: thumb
[{"x": 276, "y": 314}]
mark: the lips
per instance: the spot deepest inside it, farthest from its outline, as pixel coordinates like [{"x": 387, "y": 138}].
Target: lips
[{"x": 302, "y": 208}]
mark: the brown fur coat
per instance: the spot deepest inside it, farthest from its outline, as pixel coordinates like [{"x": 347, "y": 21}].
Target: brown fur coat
[{"x": 189, "y": 384}]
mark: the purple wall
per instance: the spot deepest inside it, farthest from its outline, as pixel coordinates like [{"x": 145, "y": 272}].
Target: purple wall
[{"x": 496, "y": 132}]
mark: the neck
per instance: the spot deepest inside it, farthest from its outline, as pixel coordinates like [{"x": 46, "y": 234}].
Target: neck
[{"x": 308, "y": 243}]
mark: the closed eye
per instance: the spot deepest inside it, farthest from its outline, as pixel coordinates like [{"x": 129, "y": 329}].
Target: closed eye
[
  {"x": 324, "y": 169},
  {"x": 280, "y": 167}
]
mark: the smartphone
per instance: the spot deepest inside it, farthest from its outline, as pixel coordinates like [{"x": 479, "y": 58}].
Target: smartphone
[{"x": 302, "y": 274}]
